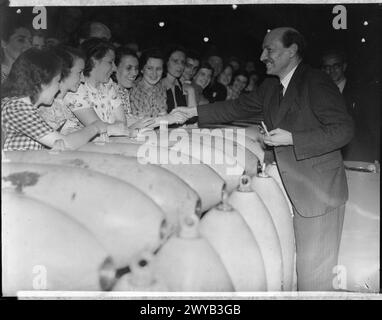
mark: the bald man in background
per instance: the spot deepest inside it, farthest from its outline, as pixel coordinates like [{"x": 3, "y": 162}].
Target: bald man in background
[{"x": 309, "y": 124}]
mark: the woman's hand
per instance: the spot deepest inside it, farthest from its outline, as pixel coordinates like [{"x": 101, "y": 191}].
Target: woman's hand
[
  {"x": 118, "y": 129},
  {"x": 143, "y": 123},
  {"x": 186, "y": 111},
  {"x": 101, "y": 126},
  {"x": 188, "y": 89}
]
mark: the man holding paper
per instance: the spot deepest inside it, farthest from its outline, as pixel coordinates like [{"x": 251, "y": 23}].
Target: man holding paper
[{"x": 308, "y": 124}]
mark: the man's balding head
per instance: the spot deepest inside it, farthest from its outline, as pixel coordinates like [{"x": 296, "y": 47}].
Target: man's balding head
[{"x": 283, "y": 49}]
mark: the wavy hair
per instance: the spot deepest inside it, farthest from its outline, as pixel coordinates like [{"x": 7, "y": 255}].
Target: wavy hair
[
  {"x": 33, "y": 68},
  {"x": 68, "y": 56},
  {"x": 95, "y": 49}
]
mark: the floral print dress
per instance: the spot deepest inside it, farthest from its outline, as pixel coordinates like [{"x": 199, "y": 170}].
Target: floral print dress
[{"x": 104, "y": 100}]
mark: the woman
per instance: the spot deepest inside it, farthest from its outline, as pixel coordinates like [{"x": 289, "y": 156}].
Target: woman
[
  {"x": 240, "y": 81},
  {"x": 127, "y": 69},
  {"x": 15, "y": 39},
  {"x": 148, "y": 97},
  {"x": 225, "y": 77},
  {"x": 58, "y": 116},
  {"x": 97, "y": 98},
  {"x": 34, "y": 81},
  {"x": 176, "y": 94},
  {"x": 201, "y": 80},
  {"x": 253, "y": 81}
]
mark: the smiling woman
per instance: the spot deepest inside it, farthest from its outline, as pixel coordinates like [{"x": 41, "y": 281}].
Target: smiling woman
[
  {"x": 33, "y": 81},
  {"x": 97, "y": 98}
]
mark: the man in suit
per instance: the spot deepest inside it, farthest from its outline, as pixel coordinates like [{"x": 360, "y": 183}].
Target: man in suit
[
  {"x": 359, "y": 105},
  {"x": 309, "y": 123}
]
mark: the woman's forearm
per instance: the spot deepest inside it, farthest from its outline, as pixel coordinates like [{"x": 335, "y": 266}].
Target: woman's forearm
[{"x": 79, "y": 138}]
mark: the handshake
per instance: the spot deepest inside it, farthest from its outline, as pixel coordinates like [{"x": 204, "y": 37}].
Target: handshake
[{"x": 182, "y": 114}]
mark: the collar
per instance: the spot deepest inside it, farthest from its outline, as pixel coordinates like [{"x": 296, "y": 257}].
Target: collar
[
  {"x": 341, "y": 85},
  {"x": 285, "y": 81}
]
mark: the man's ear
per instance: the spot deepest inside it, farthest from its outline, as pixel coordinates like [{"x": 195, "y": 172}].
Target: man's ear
[{"x": 293, "y": 49}]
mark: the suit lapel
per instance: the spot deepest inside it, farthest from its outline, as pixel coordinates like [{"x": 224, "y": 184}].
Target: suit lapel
[{"x": 290, "y": 96}]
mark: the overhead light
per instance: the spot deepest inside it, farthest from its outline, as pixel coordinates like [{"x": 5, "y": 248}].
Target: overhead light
[
  {"x": 234, "y": 6},
  {"x": 205, "y": 39},
  {"x": 161, "y": 24},
  {"x": 363, "y": 40},
  {"x": 18, "y": 11},
  {"x": 268, "y": 30},
  {"x": 365, "y": 23}
]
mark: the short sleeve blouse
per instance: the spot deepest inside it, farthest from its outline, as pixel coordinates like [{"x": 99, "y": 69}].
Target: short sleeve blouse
[
  {"x": 22, "y": 125},
  {"x": 104, "y": 100},
  {"x": 148, "y": 102}
]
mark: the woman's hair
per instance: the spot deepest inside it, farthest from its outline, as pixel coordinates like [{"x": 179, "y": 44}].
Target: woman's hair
[
  {"x": 33, "y": 68},
  {"x": 205, "y": 65},
  {"x": 94, "y": 49},
  {"x": 68, "y": 56},
  {"x": 122, "y": 52},
  {"x": 154, "y": 53},
  {"x": 173, "y": 48},
  {"x": 169, "y": 51},
  {"x": 227, "y": 65},
  {"x": 240, "y": 72}
]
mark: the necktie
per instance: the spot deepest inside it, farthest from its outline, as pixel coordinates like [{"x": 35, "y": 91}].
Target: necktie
[{"x": 281, "y": 92}]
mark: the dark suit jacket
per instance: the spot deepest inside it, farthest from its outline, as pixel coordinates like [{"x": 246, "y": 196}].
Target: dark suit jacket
[
  {"x": 314, "y": 111},
  {"x": 363, "y": 103}
]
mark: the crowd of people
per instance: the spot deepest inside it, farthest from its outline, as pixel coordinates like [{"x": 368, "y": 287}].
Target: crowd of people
[
  {"x": 73, "y": 94},
  {"x": 126, "y": 89}
]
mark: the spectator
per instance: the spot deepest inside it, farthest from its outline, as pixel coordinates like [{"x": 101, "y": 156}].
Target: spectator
[
  {"x": 127, "y": 70},
  {"x": 176, "y": 93},
  {"x": 215, "y": 91},
  {"x": 94, "y": 29},
  {"x": 34, "y": 81},
  {"x": 38, "y": 39},
  {"x": 235, "y": 63},
  {"x": 253, "y": 81},
  {"x": 15, "y": 39},
  {"x": 96, "y": 98},
  {"x": 366, "y": 139},
  {"x": 225, "y": 77},
  {"x": 148, "y": 97},
  {"x": 240, "y": 81},
  {"x": 201, "y": 80},
  {"x": 192, "y": 65},
  {"x": 58, "y": 116}
]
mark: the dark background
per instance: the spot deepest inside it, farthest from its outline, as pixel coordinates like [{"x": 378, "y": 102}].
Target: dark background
[{"x": 238, "y": 32}]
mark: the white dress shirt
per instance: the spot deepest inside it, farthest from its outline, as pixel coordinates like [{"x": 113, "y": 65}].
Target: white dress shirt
[{"x": 285, "y": 81}]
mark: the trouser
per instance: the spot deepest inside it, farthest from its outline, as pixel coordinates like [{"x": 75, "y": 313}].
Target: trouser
[{"x": 317, "y": 245}]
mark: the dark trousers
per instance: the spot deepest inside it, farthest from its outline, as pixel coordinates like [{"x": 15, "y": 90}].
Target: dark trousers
[{"x": 317, "y": 245}]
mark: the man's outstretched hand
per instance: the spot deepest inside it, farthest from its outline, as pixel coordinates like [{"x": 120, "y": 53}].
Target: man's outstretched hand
[{"x": 189, "y": 112}]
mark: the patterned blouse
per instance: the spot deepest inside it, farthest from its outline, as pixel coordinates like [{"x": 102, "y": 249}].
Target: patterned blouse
[
  {"x": 148, "y": 102},
  {"x": 22, "y": 125},
  {"x": 60, "y": 118},
  {"x": 105, "y": 100}
]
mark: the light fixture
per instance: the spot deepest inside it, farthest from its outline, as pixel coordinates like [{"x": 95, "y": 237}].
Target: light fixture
[
  {"x": 365, "y": 23},
  {"x": 18, "y": 11},
  {"x": 268, "y": 30},
  {"x": 205, "y": 39},
  {"x": 161, "y": 24},
  {"x": 363, "y": 40},
  {"x": 234, "y": 6}
]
